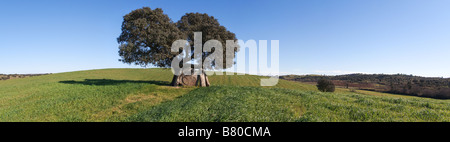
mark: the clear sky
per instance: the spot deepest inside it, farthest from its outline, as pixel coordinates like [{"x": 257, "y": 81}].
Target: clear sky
[{"x": 316, "y": 36}]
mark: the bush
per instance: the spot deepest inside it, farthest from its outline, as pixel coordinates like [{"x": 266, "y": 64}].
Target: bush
[{"x": 325, "y": 85}]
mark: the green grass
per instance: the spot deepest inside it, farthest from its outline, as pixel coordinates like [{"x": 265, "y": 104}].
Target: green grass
[
  {"x": 98, "y": 95},
  {"x": 144, "y": 95},
  {"x": 226, "y": 103},
  {"x": 348, "y": 107}
]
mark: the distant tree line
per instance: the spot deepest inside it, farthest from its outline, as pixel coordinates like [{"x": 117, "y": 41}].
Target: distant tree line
[
  {"x": 398, "y": 83},
  {"x": 14, "y": 76}
]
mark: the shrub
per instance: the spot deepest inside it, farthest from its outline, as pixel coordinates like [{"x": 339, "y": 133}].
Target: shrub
[{"x": 325, "y": 85}]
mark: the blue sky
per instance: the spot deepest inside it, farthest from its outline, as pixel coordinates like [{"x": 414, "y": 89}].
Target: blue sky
[{"x": 316, "y": 36}]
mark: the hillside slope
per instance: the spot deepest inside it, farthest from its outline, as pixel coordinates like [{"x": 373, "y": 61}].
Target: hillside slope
[{"x": 143, "y": 95}]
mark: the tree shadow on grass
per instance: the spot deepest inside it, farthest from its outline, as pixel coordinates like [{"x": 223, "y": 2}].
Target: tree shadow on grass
[{"x": 104, "y": 82}]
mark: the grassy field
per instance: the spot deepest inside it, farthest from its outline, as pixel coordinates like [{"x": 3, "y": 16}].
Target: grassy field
[{"x": 144, "y": 95}]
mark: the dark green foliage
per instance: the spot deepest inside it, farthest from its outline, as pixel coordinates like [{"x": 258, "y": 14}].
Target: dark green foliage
[
  {"x": 147, "y": 36},
  {"x": 211, "y": 30},
  {"x": 325, "y": 85}
]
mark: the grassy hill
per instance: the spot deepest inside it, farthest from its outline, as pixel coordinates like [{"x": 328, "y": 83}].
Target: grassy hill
[{"x": 144, "y": 95}]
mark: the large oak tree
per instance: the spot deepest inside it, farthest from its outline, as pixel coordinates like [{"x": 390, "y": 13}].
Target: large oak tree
[{"x": 147, "y": 36}]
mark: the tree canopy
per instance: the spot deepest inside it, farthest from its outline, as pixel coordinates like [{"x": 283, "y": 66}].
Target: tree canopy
[
  {"x": 211, "y": 30},
  {"x": 147, "y": 36}
]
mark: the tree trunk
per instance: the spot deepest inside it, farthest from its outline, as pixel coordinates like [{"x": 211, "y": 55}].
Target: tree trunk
[
  {"x": 207, "y": 80},
  {"x": 202, "y": 80},
  {"x": 175, "y": 80}
]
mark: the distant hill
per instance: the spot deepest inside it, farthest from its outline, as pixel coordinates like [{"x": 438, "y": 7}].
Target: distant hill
[{"x": 399, "y": 83}]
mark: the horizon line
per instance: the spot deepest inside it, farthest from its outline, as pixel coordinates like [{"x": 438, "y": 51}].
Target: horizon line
[{"x": 280, "y": 73}]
